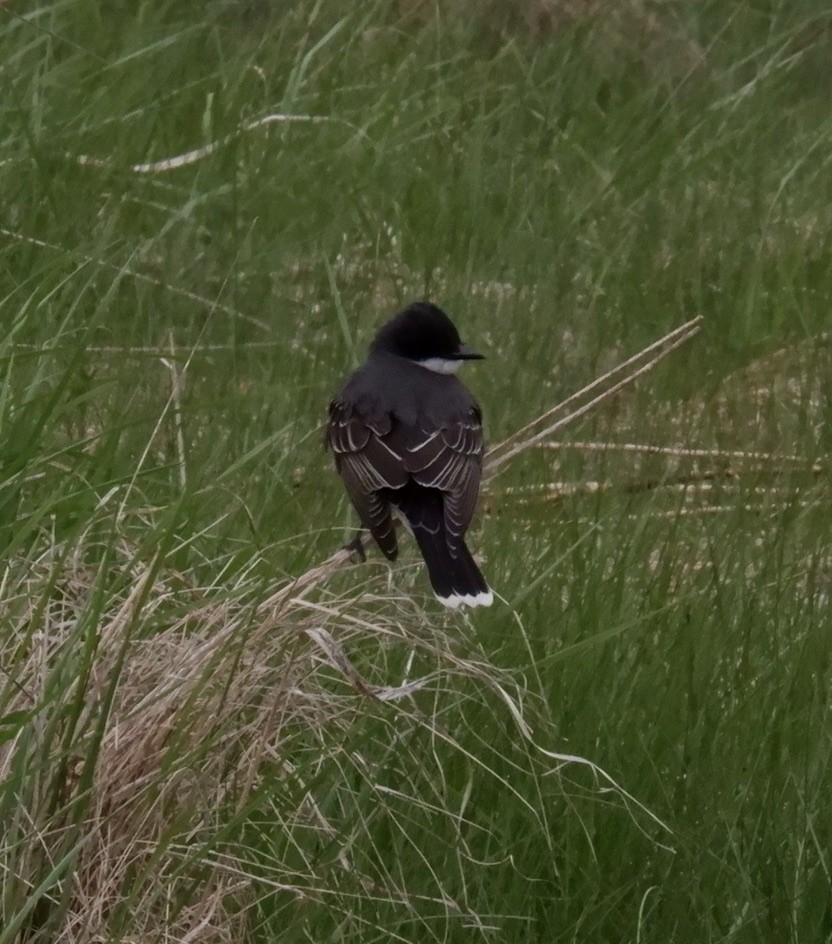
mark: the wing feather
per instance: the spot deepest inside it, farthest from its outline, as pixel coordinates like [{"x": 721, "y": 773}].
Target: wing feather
[
  {"x": 452, "y": 462},
  {"x": 366, "y": 465}
]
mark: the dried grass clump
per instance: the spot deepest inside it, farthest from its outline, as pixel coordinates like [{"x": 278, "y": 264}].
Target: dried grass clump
[
  {"x": 139, "y": 726},
  {"x": 143, "y": 726}
]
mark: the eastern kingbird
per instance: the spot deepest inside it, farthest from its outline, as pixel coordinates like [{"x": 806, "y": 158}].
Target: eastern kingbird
[{"x": 407, "y": 439}]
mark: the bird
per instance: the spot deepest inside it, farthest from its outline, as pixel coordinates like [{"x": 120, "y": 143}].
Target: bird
[{"x": 407, "y": 439}]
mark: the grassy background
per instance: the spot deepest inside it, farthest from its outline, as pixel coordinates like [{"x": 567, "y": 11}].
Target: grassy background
[{"x": 568, "y": 185}]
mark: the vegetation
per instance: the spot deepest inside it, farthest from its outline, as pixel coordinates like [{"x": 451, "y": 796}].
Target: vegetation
[{"x": 215, "y": 728}]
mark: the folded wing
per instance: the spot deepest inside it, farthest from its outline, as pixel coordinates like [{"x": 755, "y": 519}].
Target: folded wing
[
  {"x": 450, "y": 460},
  {"x": 367, "y": 466}
]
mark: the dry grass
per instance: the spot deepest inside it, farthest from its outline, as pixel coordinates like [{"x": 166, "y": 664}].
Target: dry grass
[
  {"x": 188, "y": 703},
  {"x": 758, "y": 410}
]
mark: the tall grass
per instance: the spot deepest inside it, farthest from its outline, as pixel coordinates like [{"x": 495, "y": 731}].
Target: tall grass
[{"x": 212, "y": 730}]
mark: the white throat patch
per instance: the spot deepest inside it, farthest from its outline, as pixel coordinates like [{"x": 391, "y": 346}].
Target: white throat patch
[{"x": 440, "y": 365}]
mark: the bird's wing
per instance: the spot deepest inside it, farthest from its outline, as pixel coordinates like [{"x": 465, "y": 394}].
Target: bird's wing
[
  {"x": 367, "y": 463},
  {"x": 450, "y": 459}
]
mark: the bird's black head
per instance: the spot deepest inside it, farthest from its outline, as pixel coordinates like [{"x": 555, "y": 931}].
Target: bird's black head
[{"x": 422, "y": 332}]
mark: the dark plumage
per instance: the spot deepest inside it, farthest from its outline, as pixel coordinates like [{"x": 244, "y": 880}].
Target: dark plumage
[{"x": 407, "y": 437}]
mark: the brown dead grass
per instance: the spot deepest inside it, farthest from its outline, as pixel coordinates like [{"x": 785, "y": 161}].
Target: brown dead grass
[
  {"x": 747, "y": 439},
  {"x": 203, "y": 695},
  {"x": 187, "y": 698}
]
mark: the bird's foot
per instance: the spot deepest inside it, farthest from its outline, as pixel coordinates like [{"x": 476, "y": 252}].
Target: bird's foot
[{"x": 356, "y": 546}]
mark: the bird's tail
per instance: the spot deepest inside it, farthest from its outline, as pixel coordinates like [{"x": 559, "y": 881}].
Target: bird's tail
[{"x": 454, "y": 576}]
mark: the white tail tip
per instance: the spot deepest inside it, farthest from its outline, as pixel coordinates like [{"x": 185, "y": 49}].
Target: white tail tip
[{"x": 456, "y": 600}]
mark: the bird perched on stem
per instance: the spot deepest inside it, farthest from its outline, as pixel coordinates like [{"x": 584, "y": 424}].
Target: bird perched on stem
[{"x": 407, "y": 440}]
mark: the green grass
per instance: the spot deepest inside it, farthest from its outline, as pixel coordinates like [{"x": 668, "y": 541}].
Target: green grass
[{"x": 186, "y": 745}]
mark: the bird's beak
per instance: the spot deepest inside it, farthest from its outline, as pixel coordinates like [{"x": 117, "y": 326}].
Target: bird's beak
[{"x": 466, "y": 353}]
